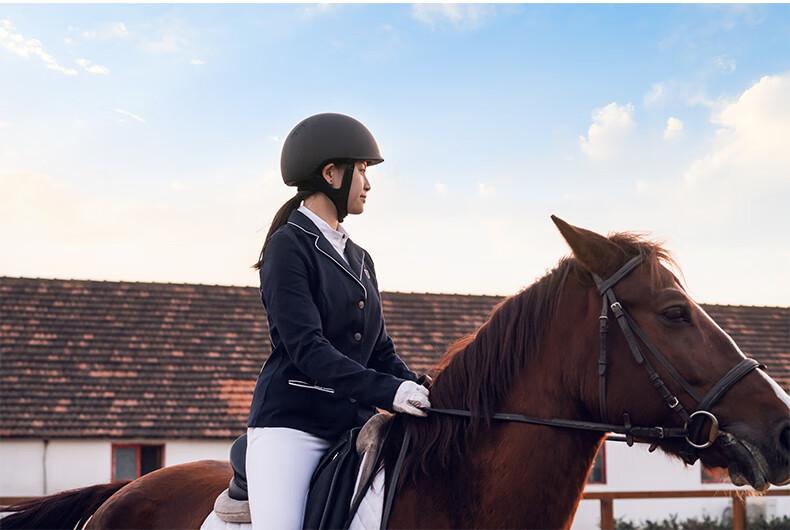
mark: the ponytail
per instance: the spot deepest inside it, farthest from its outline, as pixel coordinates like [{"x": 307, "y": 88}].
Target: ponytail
[{"x": 281, "y": 217}]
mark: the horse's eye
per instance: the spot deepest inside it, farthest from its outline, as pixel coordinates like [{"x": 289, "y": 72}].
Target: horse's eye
[{"x": 676, "y": 314}]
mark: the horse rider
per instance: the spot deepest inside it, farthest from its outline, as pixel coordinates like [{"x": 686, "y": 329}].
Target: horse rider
[{"x": 332, "y": 361}]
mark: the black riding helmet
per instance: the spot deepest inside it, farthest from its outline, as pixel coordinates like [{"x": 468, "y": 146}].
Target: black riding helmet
[
  {"x": 322, "y": 138},
  {"x": 319, "y": 140}
]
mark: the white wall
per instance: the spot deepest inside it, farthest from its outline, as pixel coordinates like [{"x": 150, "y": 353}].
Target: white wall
[
  {"x": 79, "y": 463},
  {"x": 34, "y": 467},
  {"x": 634, "y": 469},
  {"x": 21, "y": 468},
  {"x": 182, "y": 451}
]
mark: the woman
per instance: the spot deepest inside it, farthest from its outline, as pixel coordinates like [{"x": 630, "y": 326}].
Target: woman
[{"x": 332, "y": 361}]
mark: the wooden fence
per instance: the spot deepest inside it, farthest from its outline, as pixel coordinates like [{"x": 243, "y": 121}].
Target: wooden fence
[{"x": 607, "y": 499}]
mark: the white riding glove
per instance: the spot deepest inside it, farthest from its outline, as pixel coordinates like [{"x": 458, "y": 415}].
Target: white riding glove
[{"x": 411, "y": 398}]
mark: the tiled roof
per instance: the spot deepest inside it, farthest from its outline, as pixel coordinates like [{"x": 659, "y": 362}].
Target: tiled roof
[{"x": 146, "y": 360}]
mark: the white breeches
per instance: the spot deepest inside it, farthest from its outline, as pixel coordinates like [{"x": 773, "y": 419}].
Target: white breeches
[{"x": 280, "y": 463}]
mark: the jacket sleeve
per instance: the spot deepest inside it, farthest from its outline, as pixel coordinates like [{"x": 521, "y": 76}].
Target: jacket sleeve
[
  {"x": 285, "y": 289},
  {"x": 385, "y": 359}
]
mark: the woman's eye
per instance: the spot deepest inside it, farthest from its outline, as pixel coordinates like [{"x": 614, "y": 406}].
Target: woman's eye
[{"x": 676, "y": 314}]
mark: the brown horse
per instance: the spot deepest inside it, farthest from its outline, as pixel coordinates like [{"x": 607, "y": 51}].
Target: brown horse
[{"x": 537, "y": 355}]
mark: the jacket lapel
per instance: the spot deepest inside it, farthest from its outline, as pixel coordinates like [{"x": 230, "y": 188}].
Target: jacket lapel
[
  {"x": 325, "y": 247},
  {"x": 356, "y": 257}
]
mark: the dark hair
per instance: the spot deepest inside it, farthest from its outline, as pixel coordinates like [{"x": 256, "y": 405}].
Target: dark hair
[{"x": 306, "y": 189}]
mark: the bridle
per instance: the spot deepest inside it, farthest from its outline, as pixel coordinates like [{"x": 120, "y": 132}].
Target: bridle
[{"x": 693, "y": 424}]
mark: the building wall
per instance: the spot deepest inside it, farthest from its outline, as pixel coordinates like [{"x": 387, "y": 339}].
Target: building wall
[
  {"x": 635, "y": 469},
  {"x": 22, "y": 465},
  {"x": 182, "y": 451},
  {"x": 35, "y": 467}
]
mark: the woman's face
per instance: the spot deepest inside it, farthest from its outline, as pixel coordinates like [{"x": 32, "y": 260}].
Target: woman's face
[
  {"x": 358, "y": 192},
  {"x": 360, "y": 185}
]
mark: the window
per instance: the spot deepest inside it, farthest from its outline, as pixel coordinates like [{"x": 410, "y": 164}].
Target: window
[
  {"x": 130, "y": 461},
  {"x": 598, "y": 471}
]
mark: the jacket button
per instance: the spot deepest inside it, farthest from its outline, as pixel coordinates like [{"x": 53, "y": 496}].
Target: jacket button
[
  {"x": 362, "y": 304},
  {"x": 357, "y": 337}
]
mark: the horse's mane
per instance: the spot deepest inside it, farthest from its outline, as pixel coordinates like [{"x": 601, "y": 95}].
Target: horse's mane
[{"x": 478, "y": 371}]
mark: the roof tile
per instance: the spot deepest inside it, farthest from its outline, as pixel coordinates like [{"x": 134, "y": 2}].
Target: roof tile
[{"x": 119, "y": 359}]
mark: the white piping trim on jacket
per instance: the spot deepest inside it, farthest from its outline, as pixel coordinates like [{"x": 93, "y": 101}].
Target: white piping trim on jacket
[
  {"x": 333, "y": 259},
  {"x": 303, "y": 384}
]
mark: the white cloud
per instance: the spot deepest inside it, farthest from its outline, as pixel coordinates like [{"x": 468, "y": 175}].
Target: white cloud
[
  {"x": 611, "y": 125},
  {"x": 109, "y": 30},
  {"x": 93, "y": 69},
  {"x": 197, "y": 61},
  {"x": 440, "y": 188},
  {"x": 5, "y": 124},
  {"x": 459, "y": 16},
  {"x": 129, "y": 115},
  {"x": 674, "y": 126},
  {"x": 656, "y": 95},
  {"x": 119, "y": 29},
  {"x": 724, "y": 64},
  {"x": 750, "y": 152},
  {"x": 26, "y": 48}
]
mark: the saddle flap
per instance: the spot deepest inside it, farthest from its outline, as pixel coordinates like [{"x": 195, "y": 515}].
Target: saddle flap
[
  {"x": 238, "y": 461},
  {"x": 332, "y": 485}
]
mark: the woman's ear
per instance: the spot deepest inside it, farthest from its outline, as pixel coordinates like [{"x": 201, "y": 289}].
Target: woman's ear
[{"x": 327, "y": 173}]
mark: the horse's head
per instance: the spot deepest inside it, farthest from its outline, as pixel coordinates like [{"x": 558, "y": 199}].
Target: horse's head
[{"x": 752, "y": 411}]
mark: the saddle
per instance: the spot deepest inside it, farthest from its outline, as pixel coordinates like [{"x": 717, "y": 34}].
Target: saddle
[{"x": 338, "y": 485}]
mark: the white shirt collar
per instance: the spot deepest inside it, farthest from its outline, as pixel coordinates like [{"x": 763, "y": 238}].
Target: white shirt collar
[{"x": 337, "y": 237}]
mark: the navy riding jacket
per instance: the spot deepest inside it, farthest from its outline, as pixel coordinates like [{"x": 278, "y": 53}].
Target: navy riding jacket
[{"x": 331, "y": 353}]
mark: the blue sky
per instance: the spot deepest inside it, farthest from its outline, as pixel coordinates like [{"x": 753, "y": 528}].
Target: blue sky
[{"x": 141, "y": 142}]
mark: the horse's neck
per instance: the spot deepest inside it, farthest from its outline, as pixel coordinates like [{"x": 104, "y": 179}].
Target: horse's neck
[
  {"x": 518, "y": 475},
  {"x": 514, "y": 476}
]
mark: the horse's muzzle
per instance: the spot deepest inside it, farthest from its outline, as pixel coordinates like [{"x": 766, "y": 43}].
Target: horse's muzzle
[{"x": 759, "y": 459}]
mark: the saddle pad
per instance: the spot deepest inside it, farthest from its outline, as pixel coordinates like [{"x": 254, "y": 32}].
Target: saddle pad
[
  {"x": 371, "y": 508},
  {"x": 231, "y": 510},
  {"x": 213, "y": 522},
  {"x": 369, "y": 443},
  {"x": 368, "y": 516}
]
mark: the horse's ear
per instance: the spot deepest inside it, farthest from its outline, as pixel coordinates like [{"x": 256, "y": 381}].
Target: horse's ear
[{"x": 594, "y": 251}]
